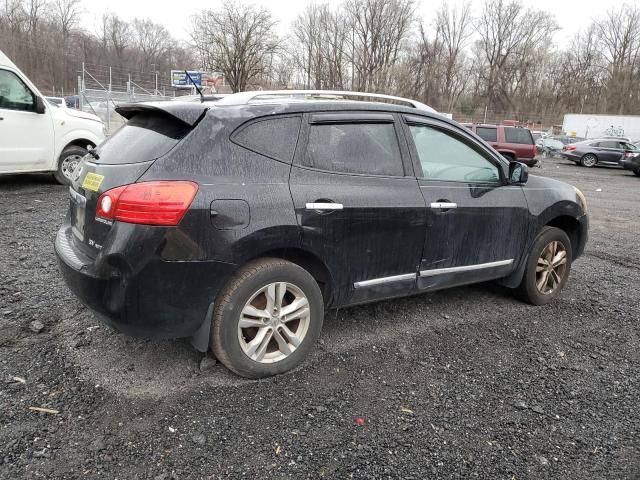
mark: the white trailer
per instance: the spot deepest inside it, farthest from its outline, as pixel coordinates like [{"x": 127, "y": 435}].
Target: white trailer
[{"x": 594, "y": 126}]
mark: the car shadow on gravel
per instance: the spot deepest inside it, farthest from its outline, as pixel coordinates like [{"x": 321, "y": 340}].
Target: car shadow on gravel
[{"x": 158, "y": 368}]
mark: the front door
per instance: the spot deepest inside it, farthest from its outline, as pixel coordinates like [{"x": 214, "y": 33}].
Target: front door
[
  {"x": 359, "y": 204},
  {"x": 477, "y": 224},
  {"x": 26, "y": 137}
]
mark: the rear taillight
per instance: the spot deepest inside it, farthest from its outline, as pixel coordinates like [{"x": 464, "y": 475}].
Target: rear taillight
[
  {"x": 569, "y": 148},
  {"x": 148, "y": 203}
]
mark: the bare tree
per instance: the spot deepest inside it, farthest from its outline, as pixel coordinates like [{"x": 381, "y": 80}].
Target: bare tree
[
  {"x": 453, "y": 30},
  {"x": 238, "y": 41},
  {"x": 379, "y": 28},
  {"x": 508, "y": 45},
  {"x": 152, "y": 40},
  {"x": 620, "y": 40}
]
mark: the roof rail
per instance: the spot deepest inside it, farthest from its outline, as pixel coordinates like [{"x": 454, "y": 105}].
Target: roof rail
[{"x": 268, "y": 96}]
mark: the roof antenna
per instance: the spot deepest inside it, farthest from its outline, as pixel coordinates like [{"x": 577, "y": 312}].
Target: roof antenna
[{"x": 196, "y": 86}]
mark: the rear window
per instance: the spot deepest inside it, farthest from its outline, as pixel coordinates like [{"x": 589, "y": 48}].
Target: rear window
[
  {"x": 144, "y": 137},
  {"x": 518, "y": 135},
  {"x": 488, "y": 134}
]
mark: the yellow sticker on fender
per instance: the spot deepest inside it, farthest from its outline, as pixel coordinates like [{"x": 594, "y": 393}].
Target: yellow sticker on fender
[{"x": 92, "y": 182}]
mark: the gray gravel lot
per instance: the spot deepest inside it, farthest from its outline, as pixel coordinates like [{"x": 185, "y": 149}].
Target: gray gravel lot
[{"x": 467, "y": 383}]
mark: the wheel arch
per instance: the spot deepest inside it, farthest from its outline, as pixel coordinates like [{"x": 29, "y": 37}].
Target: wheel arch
[
  {"x": 307, "y": 260},
  {"x": 571, "y": 227},
  {"x": 78, "y": 142}
]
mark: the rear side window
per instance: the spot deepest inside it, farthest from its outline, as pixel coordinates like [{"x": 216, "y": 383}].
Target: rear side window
[
  {"x": 518, "y": 135},
  {"x": 144, "y": 137},
  {"x": 273, "y": 137},
  {"x": 609, "y": 144},
  {"x": 488, "y": 134},
  {"x": 367, "y": 148}
]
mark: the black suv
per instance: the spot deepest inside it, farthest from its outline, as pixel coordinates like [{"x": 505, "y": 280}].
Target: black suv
[{"x": 237, "y": 223}]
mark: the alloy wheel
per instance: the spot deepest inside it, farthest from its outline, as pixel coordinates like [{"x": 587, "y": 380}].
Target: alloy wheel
[
  {"x": 551, "y": 268},
  {"x": 589, "y": 160},
  {"x": 69, "y": 165},
  {"x": 274, "y": 322}
]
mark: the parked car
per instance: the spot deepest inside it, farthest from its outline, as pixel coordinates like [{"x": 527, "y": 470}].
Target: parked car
[
  {"x": 36, "y": 137},
  {"x": 513, "y": 143},
  {"x": 549, "y": 147},
  {"x": 237, "y": 223},
  {"x": 631, "y": 160},
  {"x": 590, "y": 153}
]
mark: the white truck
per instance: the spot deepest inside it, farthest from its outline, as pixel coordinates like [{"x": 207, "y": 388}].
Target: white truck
[
  {"x": 36, "y": 136},
  {"x": 598, "y": 126}
]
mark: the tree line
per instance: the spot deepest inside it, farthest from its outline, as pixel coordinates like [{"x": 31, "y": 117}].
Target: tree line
[
  {"x": 501, "y": 59},
  {"x": 49, "y": 42}
]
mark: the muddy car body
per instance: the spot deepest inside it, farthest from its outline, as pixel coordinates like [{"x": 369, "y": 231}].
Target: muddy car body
[{"x": 286, "y": 207}]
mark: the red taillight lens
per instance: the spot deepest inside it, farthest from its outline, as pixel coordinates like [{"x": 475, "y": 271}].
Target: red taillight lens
[
  {"x": 148, "y": 203},
  {"x": 569, "y": 148}
]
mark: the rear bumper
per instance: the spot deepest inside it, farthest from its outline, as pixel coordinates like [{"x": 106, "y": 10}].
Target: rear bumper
[
  {"x": 632, "y": 164},
  {"x": 160, "y": 299}
]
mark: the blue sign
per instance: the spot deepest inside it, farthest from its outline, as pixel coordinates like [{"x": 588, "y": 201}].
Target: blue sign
[{"x": 180, "y": 79}]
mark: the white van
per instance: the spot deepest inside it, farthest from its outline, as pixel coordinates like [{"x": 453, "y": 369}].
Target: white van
[{"x": 36, "y": 136}]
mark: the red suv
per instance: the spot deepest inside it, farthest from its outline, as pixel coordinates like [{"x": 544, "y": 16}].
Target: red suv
[{"x": 513, "y": 143}]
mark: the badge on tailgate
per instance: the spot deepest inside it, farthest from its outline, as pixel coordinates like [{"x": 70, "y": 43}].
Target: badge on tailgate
[{"x": 92, "y": 182}]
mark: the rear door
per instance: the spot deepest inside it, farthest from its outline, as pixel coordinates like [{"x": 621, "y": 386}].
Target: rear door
[
  {"x": 358, "y": 203},
  {"x": 609, "y": 151},
  {"x": 477, "y": 224}
]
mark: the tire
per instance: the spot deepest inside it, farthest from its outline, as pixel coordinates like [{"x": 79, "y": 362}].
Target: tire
[
  {"x": 529, "y": 290},
  {"x": 69, "y": 158},
  {"x": 589, "y": 160},
  {"x": 637, "y": 172},
  {"x": 232, "y": 345}
]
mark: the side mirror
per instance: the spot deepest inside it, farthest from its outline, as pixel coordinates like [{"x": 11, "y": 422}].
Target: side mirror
[
  {"x": 518, "y": 173},
  {"x": 40, "y": 105}
]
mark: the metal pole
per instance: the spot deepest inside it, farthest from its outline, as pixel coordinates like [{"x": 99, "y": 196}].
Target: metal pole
[
  {"x": 157, "y": 83},
  {"x": 109, "y": 103},
  {"x": 485, "y": 114}
]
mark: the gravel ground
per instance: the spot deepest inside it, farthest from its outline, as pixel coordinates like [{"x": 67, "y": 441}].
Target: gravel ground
[{"x": 467, "y": 383}]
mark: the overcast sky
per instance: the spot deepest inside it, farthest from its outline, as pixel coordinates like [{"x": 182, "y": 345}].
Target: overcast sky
[{"x": 572, "y": 15}]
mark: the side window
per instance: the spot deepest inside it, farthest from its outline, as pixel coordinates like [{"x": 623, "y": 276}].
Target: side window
[
  {"x": 273, "y": 137},
  {"x": 368, "y": 148},
  {"x": 14, "y": 95},
  {"x": 609, "y": 144},
  {"x": 444, "y": 157},
  {"x": 518, "y": 135},
  {"x": 488, "y": 134}
]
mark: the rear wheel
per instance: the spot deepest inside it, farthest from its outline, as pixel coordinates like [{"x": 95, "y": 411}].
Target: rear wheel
[
  {"x": 637, "y": 172},
  {"x": 267, "y": 318},
  {"x": 67, "y": 163},
  {"x": 548, "y": 267},
  {"x": 589, "y": 160}
]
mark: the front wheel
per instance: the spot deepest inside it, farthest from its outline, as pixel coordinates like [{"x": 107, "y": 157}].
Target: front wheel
[
  {"x": 267, "y": 318},
  {"x": 67, "y": 163},
  {"x": 548, "y": 267}
]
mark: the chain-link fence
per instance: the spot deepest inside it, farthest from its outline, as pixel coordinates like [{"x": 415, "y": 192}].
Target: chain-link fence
[{"x": 100, "y": 92}]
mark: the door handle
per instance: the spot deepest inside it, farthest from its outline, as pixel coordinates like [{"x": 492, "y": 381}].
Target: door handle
[
  {"x": 324, "y": 206},
  {"x": 443, "y": 205}
]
